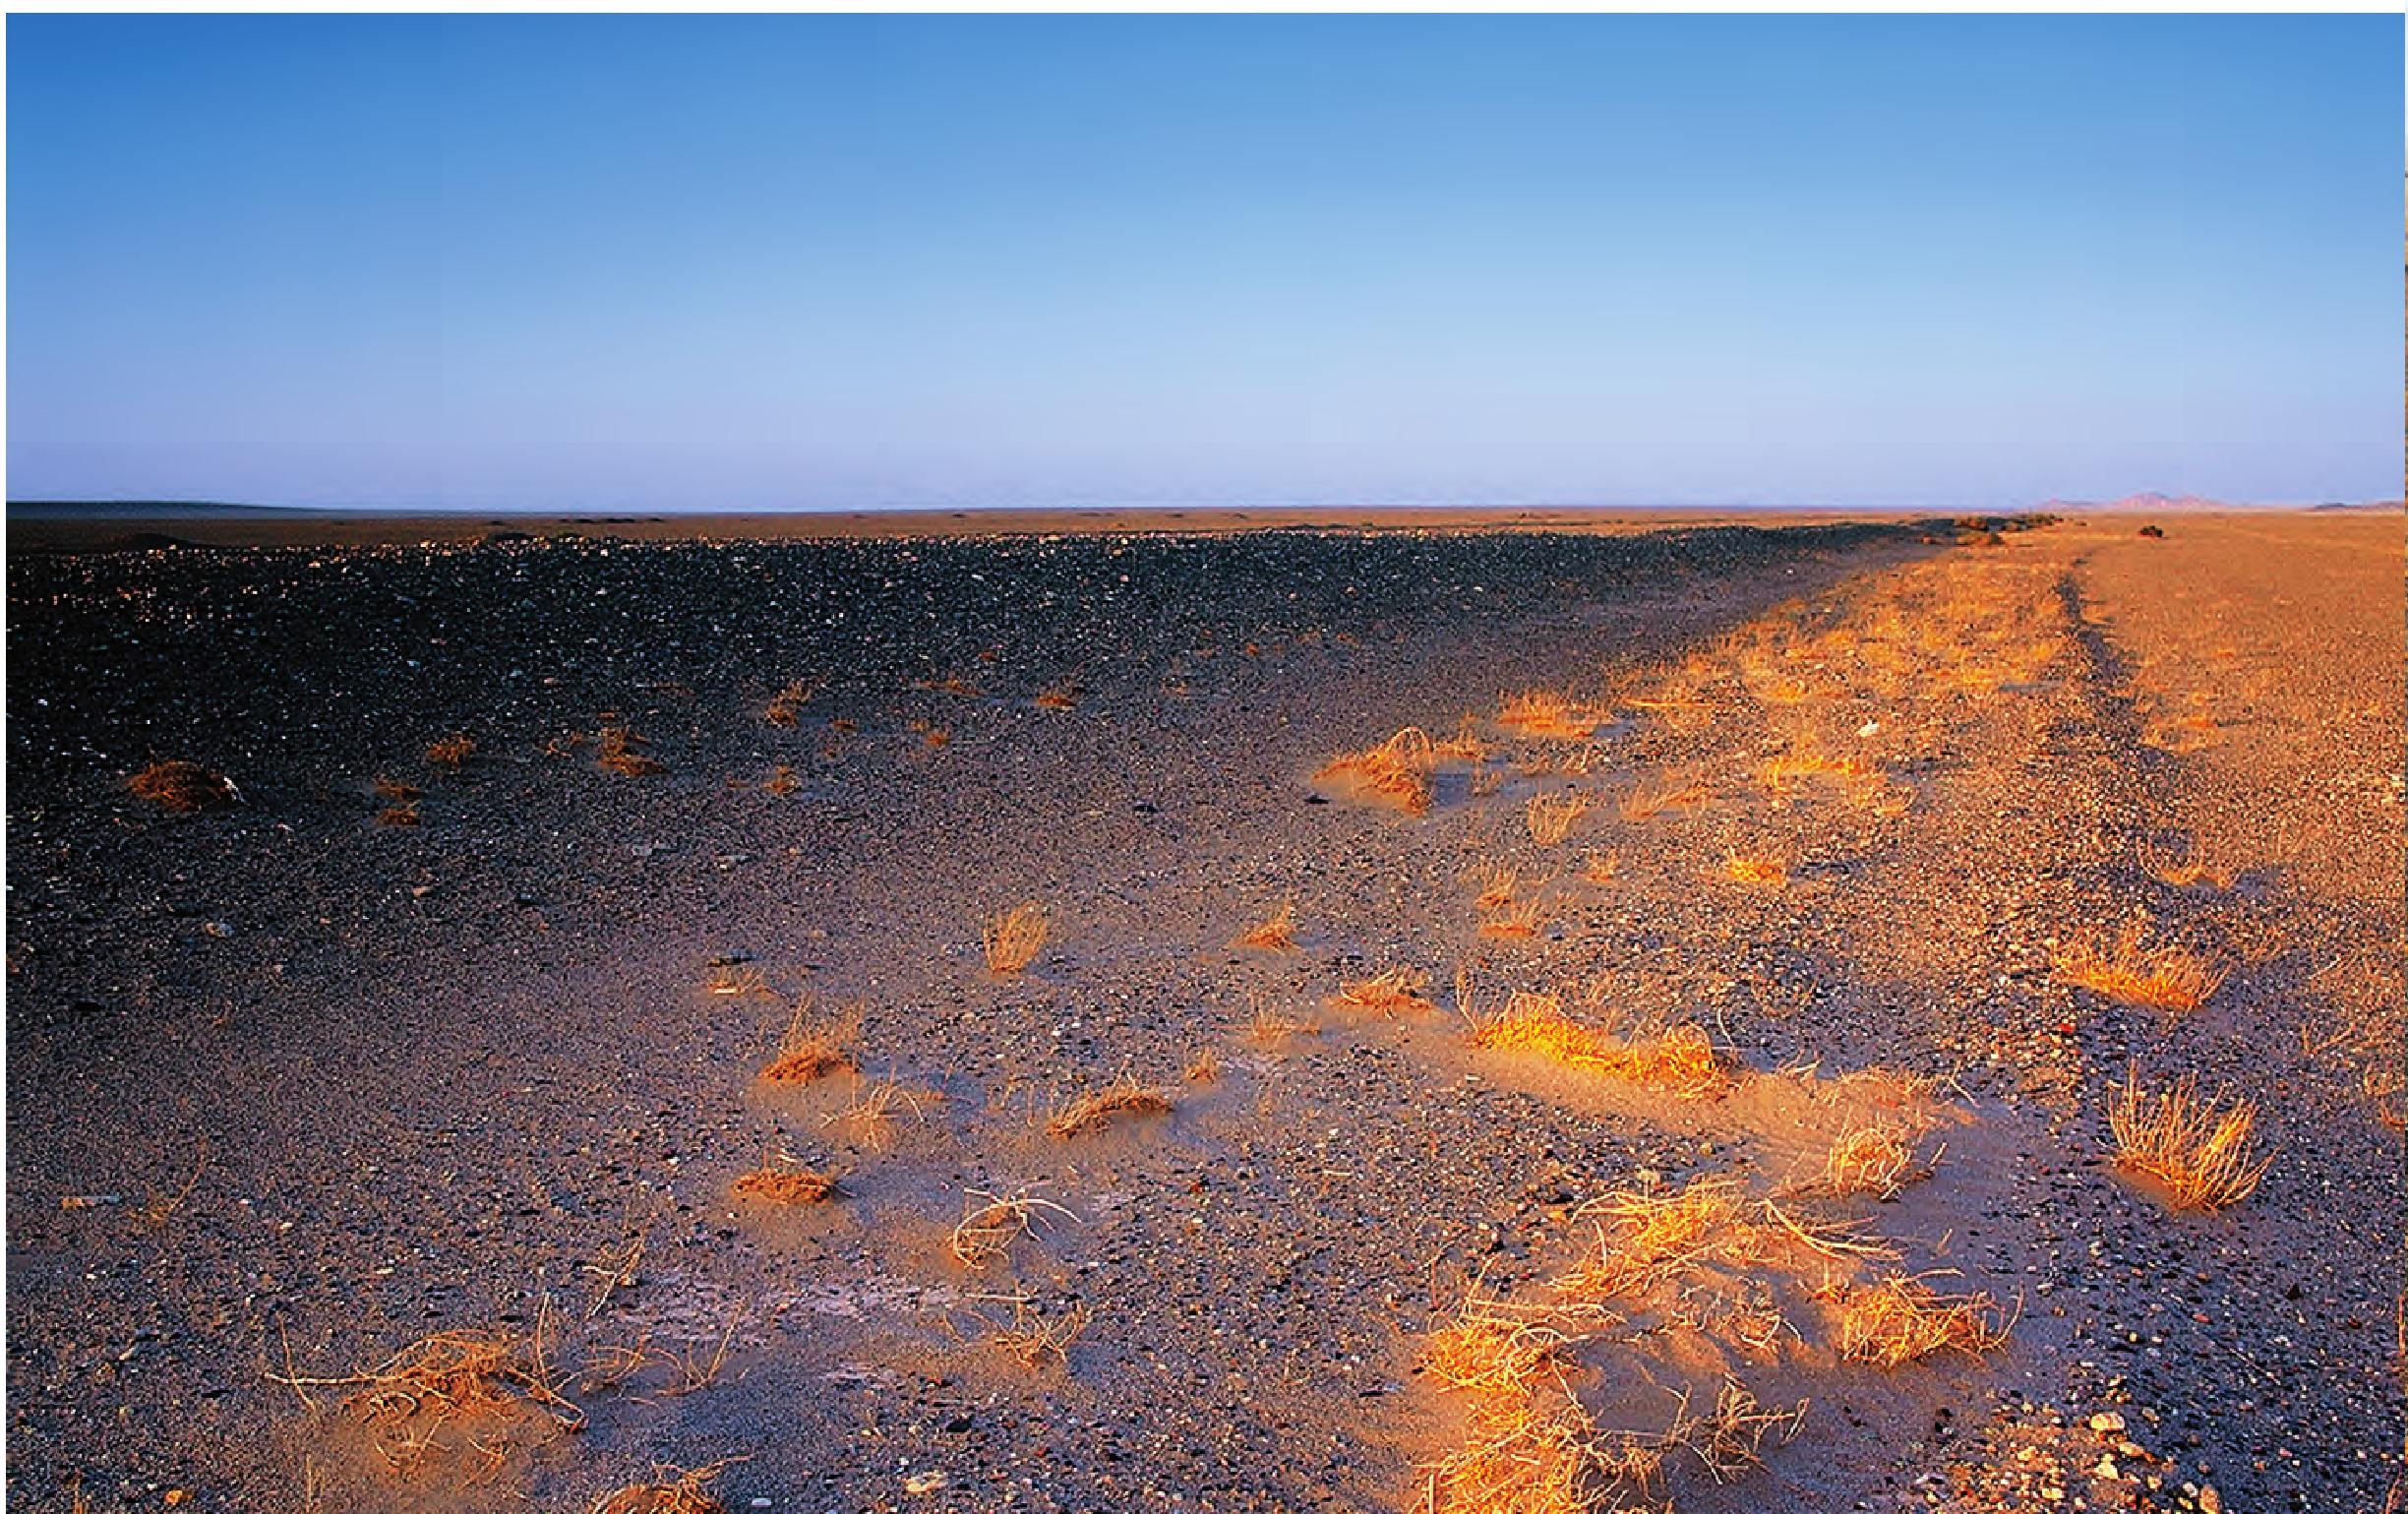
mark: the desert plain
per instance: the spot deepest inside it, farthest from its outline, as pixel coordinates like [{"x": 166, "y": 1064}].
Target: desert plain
[{"x": 1101, "y": 1014}]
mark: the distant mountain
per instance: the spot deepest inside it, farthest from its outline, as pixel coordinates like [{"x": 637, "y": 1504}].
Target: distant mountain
[{"x": 2149, "y": 500}]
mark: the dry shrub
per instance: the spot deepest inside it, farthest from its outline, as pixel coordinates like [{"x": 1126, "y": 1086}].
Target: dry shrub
[
  {"x": 455, "y": 1393},
  {"x": 782, "y": 781},
  {"x": 1551, "y": 816},
  {"x": 1728, "y": 1439},
  {"x": 1513, "y": 922},
  {"x": 1900, "y": 1319},
  {"x": 1275, "y": 934},
  {"x": 1527, "y": 1447},
  {"x": 2159, "y": 978},
  {"x": 1398, "y": 991},
  {"x": 1678, "y": 1058},
  {"x": 1651, "y": 797},
  {"x": 784, "y": 1185},
  {"x": 450, "y": 750},
  {"x": 1012, "y": 938},
  {"x": 182, "y": 787},
  {"x": 1756, "y": 871},
  {"x": 2198, "y": 1147},
  {"x": 673, "y": 1490},
  {"x": 988, "y": 1229},
  {"x": 735, "y": 979},
  {"x": 1647, "y": 1237},
  {"x": 1033, "y": 1340},
  {"x": 615, "y": 752},
  {"x": 1270, "y": 1030},
  {"x": 1398, "y": 770},
  {"x": 807, "y": 1052},
  {"x": 785, "y": 708},
  {"x": 1878, "y": 1159},
  {"x": 1124, "y": 1099},
  {"x": 1493, "y": 885},
  {"x": 1547, "y": 715},
  {"x": 875, "y": 1110}
]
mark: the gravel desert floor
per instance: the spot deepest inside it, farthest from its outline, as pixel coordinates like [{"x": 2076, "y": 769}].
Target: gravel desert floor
[{"x": 1805, "y": 1017}]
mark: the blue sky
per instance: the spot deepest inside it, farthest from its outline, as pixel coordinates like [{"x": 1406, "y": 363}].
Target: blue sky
[{"x": 790, "y": 262}]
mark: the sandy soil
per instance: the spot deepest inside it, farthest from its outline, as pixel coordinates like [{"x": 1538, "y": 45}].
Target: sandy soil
[{"x": 291, "y": 1090}]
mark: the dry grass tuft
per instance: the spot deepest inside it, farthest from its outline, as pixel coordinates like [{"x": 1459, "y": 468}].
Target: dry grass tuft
[
  {"x": 931, "y": 734},
  {"x": 400, "y": 802},
  {"x": 875, "y": 1109},
  {"x": 183, "y": 787},
  {"x": 615, "y": 752},
  {"x": 1063, "y": 694},
  {"x": 1013, "y": 940},
  {"x": 808, "y": 1052},
  {"x": 1756, "y": 871},
  {"x": 450, "y": 750},
  {"x": 457, "y": 1392},
  {"x": 1878, "y": 1159},
  {"x": 1551, "y": 816},
  {"x": 1900, "y": 1319},
  {"x": 987, "y": 1230},
  {"x": 735, "y": 979},
  {"x": 1270, "y": 1030},
  {"x": 1398, "y": 770},
  {"x": 1275, "y": 933},
  {"x": 1398, "y": 991},
  {"x": 782, "y": 781},
  {"x": 2159, "y": 978},
  {"x": 1679, "y": 1059},
  {"x": 1602, "y": 867},
  {"x": 1493, "y": 885},
  {"x": 785, "y": 708},
  {"x": 1547, "y": 715},
  {"x": 1203, "y": 1067},
  {"x": 1124, "y": 1099},
  {"x": 1033, "y": 1340},
  {"x": 2198, "y": 1147},
  {"x": 1651, "y": 797},
  {"x": 1513, "y": 922},
  {"x": 673, "y": 1490},
  {"x": 784, "y": 1185}
]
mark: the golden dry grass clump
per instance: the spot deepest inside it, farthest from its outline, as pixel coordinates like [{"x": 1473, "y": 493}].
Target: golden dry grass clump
[
  {"x": 450, "y": 750},
  {"x": 1033, "y": 1340},
  {"x": 784, "y": 1185},
  {"x": 1900, "y": 1319},
  {"x": 1806, "y": 758},
  {"x": 2158, "y": 978},
  {"x": 1122, "y": 1099},
  {"x": 807, "y": 1052},
  {"x": 1399, "y": 770},
  {"x": 1493, "y": 885},
  {"x": 1551, "y": 816},
  {"x": 672, "y": 1492},
  {"x": 1277, "y": 933},
  {"x": 400, "y": 802},
  {"x": 1755, "y": 872},
  {"x": 1063, "y": 694},
  {"x": 1513, "y": 922},
  {"x": 1602, "y": 867},
  {"x": 615, "y": 752},
  {"x": 2198, "y": 1147},
  {"x": 785, "y": 708},
  {"x": 1547, "y": 715},
  {"x": 987, "y": 1230},
  {"x": 1396, "y": 991},
  {"x": 1876, "y": 1159},
  {"x": 1651, "y": 797},
  {"x": 182, "y": 786},
  {"x": 457, "y": 1393},
  {"x": 1012, "y": 938},
  {"x": 1678, "y": 1058}
]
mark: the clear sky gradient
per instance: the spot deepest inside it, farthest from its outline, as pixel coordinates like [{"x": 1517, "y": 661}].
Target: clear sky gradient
[{"x": 647, "y": 263}]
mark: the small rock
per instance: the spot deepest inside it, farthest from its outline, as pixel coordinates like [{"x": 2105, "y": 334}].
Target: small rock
[
  {"x": 2107, "y": 1424},
  {"x": 924, "y": 1482}
]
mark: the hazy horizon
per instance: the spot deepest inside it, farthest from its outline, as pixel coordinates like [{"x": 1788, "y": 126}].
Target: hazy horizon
[{"x": 666, "y": 265}]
